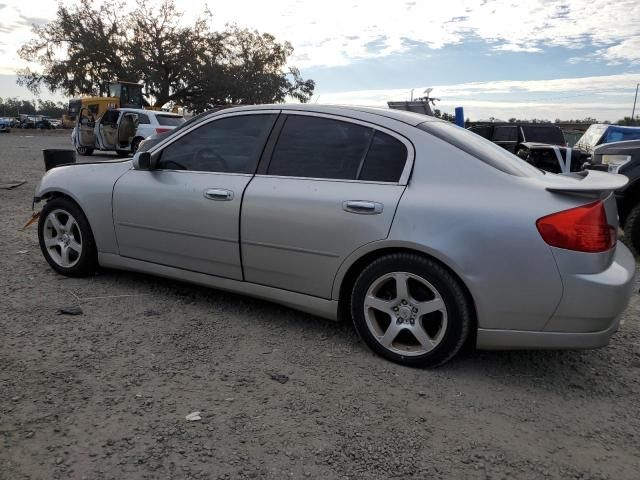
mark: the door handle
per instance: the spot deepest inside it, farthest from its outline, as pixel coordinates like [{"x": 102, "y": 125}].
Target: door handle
[
  {"x": 219, "y": 194},
  {"x": 363, "y": 207}
]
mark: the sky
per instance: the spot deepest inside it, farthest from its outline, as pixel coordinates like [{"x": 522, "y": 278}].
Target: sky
[{"x": 496, "y": 58}]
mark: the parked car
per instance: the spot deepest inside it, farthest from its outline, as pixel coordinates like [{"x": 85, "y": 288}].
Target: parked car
[
  {"x": 427, "y": 236},
  {"x": 55, "y": 122},
  {"x": 44, "y": 124},
  {"x": 541, "y": 145},
  {"x": 27, "y": 122},
  {"x": 120, "y": 130},
  {"x": 600, "y": 133},
  {"x": 5, "y": 125},
  {"x": 624, "y": 158}
]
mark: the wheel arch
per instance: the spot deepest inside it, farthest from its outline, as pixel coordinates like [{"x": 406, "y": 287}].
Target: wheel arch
[{"x": 357, "y": 262}]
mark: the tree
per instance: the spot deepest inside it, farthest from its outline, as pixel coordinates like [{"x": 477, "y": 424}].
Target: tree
[
  {"x": 628, "y": 121},
  {"x": 86, "y": 46}
]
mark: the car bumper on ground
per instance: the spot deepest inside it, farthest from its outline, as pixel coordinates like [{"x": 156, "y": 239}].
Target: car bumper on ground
[{"x": 587, "y": 317}]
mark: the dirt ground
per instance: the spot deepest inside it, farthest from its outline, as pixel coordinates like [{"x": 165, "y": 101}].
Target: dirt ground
[{"x": 104, "y": 395}]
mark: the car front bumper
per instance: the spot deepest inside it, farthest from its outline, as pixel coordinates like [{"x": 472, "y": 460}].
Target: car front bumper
[{"x": 588, "y": 315}]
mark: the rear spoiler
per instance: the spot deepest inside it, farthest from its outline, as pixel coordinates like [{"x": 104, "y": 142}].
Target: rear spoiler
[{"x": 588, "y": 182}]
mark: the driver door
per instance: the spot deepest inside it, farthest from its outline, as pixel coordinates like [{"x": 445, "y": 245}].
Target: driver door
[
  {"x": 186, "y": 213},
  {"x": 86, "y": 125}
]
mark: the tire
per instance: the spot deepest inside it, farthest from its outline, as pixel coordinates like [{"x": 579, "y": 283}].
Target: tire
[
  {"x": 72, "y": 232},
  {"x": 135, "y": 145},
  {"x": 632, "y": 230},
  {"x": 395, "y": 328},
  {"x": 85, "y": 151}
]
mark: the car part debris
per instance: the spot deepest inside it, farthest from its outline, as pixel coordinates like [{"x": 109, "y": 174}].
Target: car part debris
[
  {"x": 70, "y": 311},
  {"x": 193, "y": 416}
]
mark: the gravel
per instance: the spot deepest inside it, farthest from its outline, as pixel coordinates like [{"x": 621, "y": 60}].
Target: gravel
[{"x": 105, "y": 395}]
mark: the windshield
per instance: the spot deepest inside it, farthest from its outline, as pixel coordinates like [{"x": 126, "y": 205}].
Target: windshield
[
  {"x": 551, "y": 135},
  {"x": 170, "y": 120},
  {"x": 617, "y": 134},
  {"x": 482, "y": 149},
  {"x": 591, "y": 137}
]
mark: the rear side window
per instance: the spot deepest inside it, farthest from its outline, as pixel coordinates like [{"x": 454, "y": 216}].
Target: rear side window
[
  {"x": 505, "y": 134},
  {"x": 169, "y": 120},
  {"x": 316, "y": 147},
  {"x": 484, "y": 132},
  {"x": 385, "y": 159},
  {"x": 552, "y": 135},
  {"x": 143, "y": 119},
  {"x": 480, "y": 148}
]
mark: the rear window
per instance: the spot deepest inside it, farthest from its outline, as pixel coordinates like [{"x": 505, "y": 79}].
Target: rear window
[
  {"x": 551, "y": 135},
  {"x": 480, "y": 148},
  {"x": 170, "y": 120}
]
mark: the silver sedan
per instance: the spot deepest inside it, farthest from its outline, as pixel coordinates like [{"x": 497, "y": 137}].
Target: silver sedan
[{"x": 425, "y": 235}]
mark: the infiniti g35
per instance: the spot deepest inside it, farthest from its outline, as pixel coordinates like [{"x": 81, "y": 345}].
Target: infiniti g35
[{"x": 424, "y": 234}]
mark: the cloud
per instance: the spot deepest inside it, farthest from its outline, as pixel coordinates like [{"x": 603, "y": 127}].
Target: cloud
[{"x": 607, "y": 97}]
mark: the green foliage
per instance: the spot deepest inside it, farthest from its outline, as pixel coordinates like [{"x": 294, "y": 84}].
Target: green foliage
[
  {"x": 86, "y": 46},
  {"x": 629, "y": 122},
  {"x": 12, "y": 107}
]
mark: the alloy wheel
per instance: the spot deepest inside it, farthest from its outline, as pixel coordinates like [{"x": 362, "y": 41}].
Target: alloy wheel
[
  {"x": 62, "y": 238},
  {"x": 405, "y": 313}
]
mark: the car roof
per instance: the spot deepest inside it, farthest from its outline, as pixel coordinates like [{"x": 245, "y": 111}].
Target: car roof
[
  {"x": 154, "y": 112},
  {"x": 409, "y": 118}
]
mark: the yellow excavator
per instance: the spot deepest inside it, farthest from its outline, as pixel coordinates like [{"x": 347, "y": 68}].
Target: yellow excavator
[{"x": 121, "y": 95}]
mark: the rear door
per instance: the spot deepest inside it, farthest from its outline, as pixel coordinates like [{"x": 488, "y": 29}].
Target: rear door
[
  {"x": 107, "y": 130},
  {"x": 186, "y": 213},
  {"x": 86, "y": 125},
  {"x": 326, "y": 187}
]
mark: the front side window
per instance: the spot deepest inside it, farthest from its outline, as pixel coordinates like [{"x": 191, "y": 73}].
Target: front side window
[
  {"x": 227, "y": 145},
  {"x": 316, "y": 147}
]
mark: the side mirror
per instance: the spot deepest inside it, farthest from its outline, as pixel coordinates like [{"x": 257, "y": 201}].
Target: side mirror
[{"x": 144, "y": 161}]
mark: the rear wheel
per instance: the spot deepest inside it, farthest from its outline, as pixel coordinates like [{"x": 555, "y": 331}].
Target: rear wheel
[
  {"x": 66, "y": 239},
  {"x": 411, "y": 310},
  {"x": 86, "y": 151},
  {"x": 632, "y": 230},
  {"x": 135, "y": 145},
  {"x": 122, "y": 153}
]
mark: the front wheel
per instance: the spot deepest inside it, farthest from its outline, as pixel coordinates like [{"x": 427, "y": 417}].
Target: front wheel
[
  {"x": 66, "y": 239},
  {"x": 632, "y": 229},
  {"x": 411, "y": 310}
]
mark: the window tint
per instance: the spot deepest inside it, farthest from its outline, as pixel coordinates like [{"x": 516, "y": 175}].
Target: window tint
[
  {"x": 319, "y": 148},
  {"x": 170, "y": 120},
  {"x": 483, "y": 131},
  {"x": 230, "y": 145},
  {"x": 505, "y": 134},
  {"x": 551, "y": 135},
  {"x": 143, "y": 119},
  {"x": 385, "y": 159}
]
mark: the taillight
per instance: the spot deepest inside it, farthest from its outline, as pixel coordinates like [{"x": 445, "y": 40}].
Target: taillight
[
  {"x": 584, "y": 229},
  {"x": 162, "y": 130}
]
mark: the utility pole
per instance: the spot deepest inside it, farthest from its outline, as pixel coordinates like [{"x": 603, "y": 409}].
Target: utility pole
[{"x": 633, "y": 112}]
